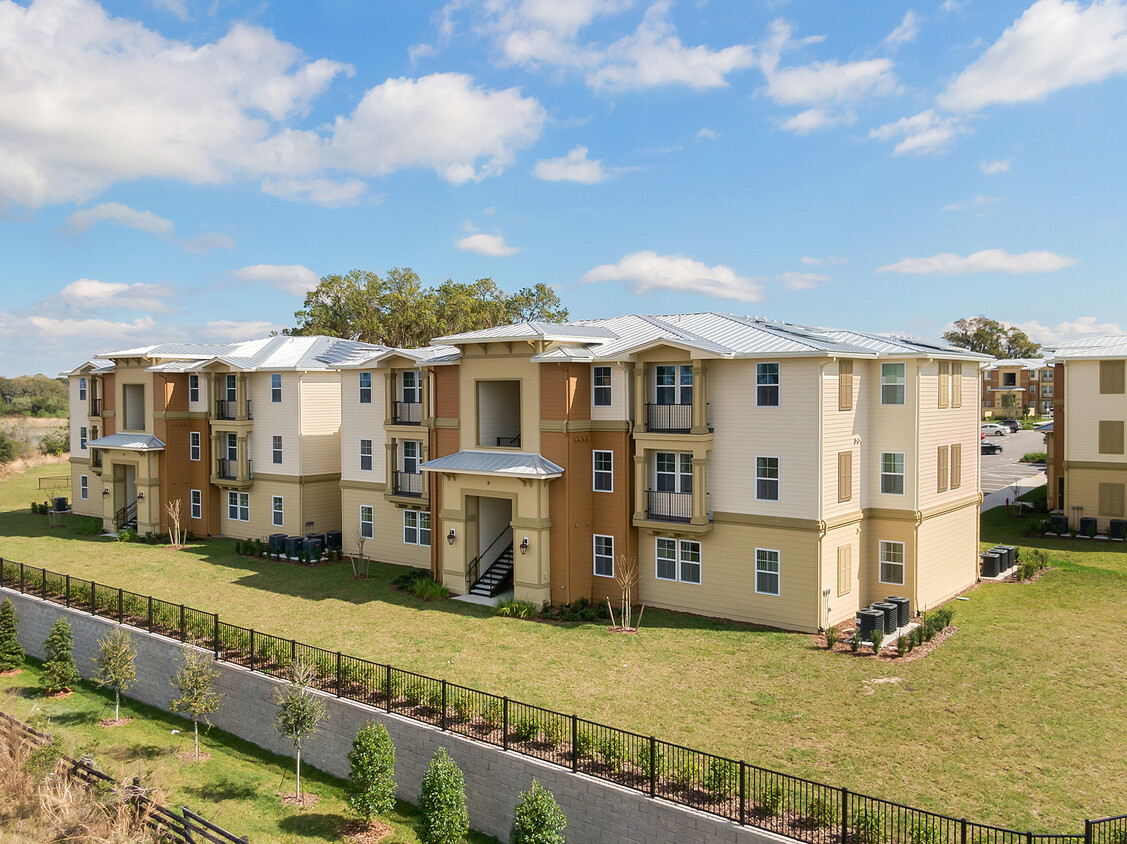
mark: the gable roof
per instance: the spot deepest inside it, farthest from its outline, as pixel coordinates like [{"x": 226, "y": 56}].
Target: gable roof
[
  {"x": 1106, "y": 346},
  {"x": 281, "y": 352}
]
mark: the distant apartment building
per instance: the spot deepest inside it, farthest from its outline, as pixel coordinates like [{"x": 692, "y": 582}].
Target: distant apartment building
[
  {"x": 1013, "y": 388},
  {"x": 1087, "y": 463},
  {"x": 246, "y": 436}
]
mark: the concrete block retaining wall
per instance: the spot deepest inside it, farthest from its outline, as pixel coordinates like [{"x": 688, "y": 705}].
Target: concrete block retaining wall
[{"x": 597, "y": 811}]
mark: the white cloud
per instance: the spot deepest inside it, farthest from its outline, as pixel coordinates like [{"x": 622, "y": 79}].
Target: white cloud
[
  {"x": 492, "y": 245},
  {"x": 328, "y": 192},
  {"x": 644, "y": 272},
  {"x": 706, "y": 134},
  {"x": 87, "y": 294},
  {"x": 179, "y": 8},
  {"x": 828, "y": 260},
  {"x": 816, "y": 119},
  {"x": 206, "y": 242},
  {"x": 803, "y": 281},
  {"x": 289, "y": 278},
  {"x": 115, "y": 212},
  {"x": 986, "y": 261},
  {"x": 574, "y": 167},
  {"x": 1063, "y": 332},
  {"x": 991, "y": 168},
  {"x": 100, "y": 330},
  {"x": 1055, "y": 44},
  {"x": 230, "y": 331},
  {"x": 905, "y": 32},
  {"x": 538, "y": 33},
  {"x": 922, "y": 134},
  {"x": 977, "y": 202}
]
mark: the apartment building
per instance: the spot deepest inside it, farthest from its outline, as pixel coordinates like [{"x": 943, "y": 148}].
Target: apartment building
[
  {"x": 1087, "y": 464},
  {"x": 754, "y": 470},
  {"x": 246, "y": 436},
  {"x": 1015, "y": 387}
]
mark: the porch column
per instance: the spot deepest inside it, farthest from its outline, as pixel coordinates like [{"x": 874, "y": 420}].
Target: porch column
[
  {"x": 424, "y": 456},
  {"x": 244, "y": 459},
  {"x": 700, "y": 399},
  {"x": 426, "y": 396},
  {"x": 242, "y": 405},
  {"x": 700, "y": 491},
  {"x": 388, "y": 396},
  {"x": 640, "y": 397},
  {"x": 389, "y": 466},
  {"x": 216, "y": 392},
  {"x": 218, "y": 451},
  {"x": 640, "y": 485}
]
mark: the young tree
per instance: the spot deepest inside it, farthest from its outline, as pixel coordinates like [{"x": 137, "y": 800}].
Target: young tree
[
  {"x": 194, "y": 682},
  {"x": 115, "y": 660},
  {"x": 360, "y": 565},
  {"x": 371, "y": 784},
  {"x": 11, "y": 654},
  {"x": 442, "y": 800},
  {"x": 59, "y": 670},
  {"x": 173, "y": 508},
  {"x": 300, "y": 712},
  {"x": 538, "y": 818},
  {"x": 626, "y": 576}
]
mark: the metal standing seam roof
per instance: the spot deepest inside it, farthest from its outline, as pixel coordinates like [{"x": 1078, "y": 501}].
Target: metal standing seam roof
[
  {"x": 513, "y": 464},
  {"x": 1106, "y": 346},
  {"x": 91, "y": 367},
  {"x": 1024, "y": 363},
  {"x": 281, "y": 351},
  {"x": 128, "y": 442}
]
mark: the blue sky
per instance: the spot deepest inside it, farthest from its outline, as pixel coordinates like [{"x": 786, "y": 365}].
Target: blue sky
[{"x": 174, "y": 169}]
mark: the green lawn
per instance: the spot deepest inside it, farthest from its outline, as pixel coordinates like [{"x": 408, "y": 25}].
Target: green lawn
[
  {"x": 237, "y": 787},
  {"x": 1016, "y": 720}
]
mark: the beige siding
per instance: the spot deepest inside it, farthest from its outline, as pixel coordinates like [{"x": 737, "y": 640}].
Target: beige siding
[
  {"x": 1083, "y": 487},
  {"x": 844, "y": 598},
  {"x": 78, "y": 417},
  {"x": 874, "y": 530},
  {"x": 93, "y": 505},
  {"x": 1087, "y": 408},
  {"x": 320, "y": 504},
  {"x": 272, "y": 419},
  {"x": 260, "y": 526},
  {"x": 841, "y": 434},
  {"x": 500, "y": 367},
  {"x": 362, "y": 421},
  {"x": 620, "y": 396},
  {"x": 948, "y": 556},
  {"x": 891, "y": 428},
  {"x": 386, "y": 545},
  {"x": 320, "y": 406}
]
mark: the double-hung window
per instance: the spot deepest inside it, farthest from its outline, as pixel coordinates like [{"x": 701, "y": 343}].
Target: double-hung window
[
  {"x": 604, "y": 555},
  {"x": 82, "y": 438},
  {"x": 673, "y": 471},
  {"x": 892, "y": 383},
  {"x": 766, "y": 571},
  {"x": 277, "y": 510},
  {"x": 892, "y": 473},
  {"x": 82, "y": 389},
  {"x": 603, "y": 471},
  {"x": 196, "y": 504},
  {"x": 892, "y": 563},
  {"x": 233, "y": 447},
  {"x": 83, "y": 487},
  {"x": 276, "y": 449},
  {"x": 365, "y": 455},
  {"x": 412, "y": 449},
  {"x": 193, "y": 388},
  {"x": 673, "y": 384},
  {"x": 767, "y": 478},
  {"x": 412, "y": 387},
  {"x": 238, "y": 506},
  {"x": 193, "y": 445},
  {"x": 601, "y": 386},
  {"x": 367, "y": 522},
  {"x": 767, "y": 385},
  {"x": 232, "y": 390},
  {"x": 275, "y": 387},
  {"x": 365, "y": 388},
  {"x": 678, "y": 559},
  {"x": 416, "y": 527}
]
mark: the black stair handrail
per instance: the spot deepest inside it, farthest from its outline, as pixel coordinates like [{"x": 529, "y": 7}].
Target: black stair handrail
[
  {"x": 472, "y": 573},
  {"x": 124, "y": 515}
]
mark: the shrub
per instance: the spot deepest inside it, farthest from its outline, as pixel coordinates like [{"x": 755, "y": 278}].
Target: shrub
[
  {"x": 833, "y": 636},
  {"x": 527, "y": 728},
  {"x": 554, "y": 731},
  {"x": 11, "y": 654},
  {"x": 442, "y": 800},
  {"x": 415, "y": 692},
  {"x": 59, "y": 670},
  {"x": 537, "y": 818},
  {"x": 642, "y": 760},
  {"x": 426, "y": 588},
  {"x": 855, "y": 642},
  {"x": 127, "y": 534},
  {"x": 924, "y": 832},
  {"x": 512, "y": 608},
  {"x": 371, "y": 783},
  {"x": 683, "y": 774},
  {"x": 1032, "y": 457},
  {"x": 722, "y": 777},
  {"x": 770, "y": 800},
  {"x": 88, "y": 527},
  {"x": 1027, "y": 570},
  {"x": 612, "y": 752},
  {"x": 586, "y": 745},
  {"x": 464, "y": 708},
  {"x": 433, "y": 698},
  {"x": 820, "y": 811},
  {"x": 867, "y": 826},
  {"x": 901, "y": 645},
  {"x": 876, "y": 637},
  {"x": 493, "y": 715}
]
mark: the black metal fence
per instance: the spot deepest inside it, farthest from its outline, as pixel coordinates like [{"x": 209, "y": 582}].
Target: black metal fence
[{"x": 746, "y": 794}]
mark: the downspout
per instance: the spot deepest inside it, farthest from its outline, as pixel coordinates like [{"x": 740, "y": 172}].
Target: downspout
[{"x": 823, "y": 598}]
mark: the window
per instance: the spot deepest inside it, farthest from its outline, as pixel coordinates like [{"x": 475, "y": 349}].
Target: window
[
  {"x": 603, "y": 471},
  {"x": 956, "y": 385},
  {"x": 133, "y": 396},
  {"x": 844, "y": 475},
  {"x": 275, "y": 387},
  {"x": 892, "y": 380},
  {"x": 673, "y": 384},
  {"x": 276, "y": 449},
  {"x": 412, "y": 449},
  {"x": 944, "y": 382},
  {"x": 767, "y": 478},
  {"x": 412, "y": 387},
  {"x": 83, "y": 487},
  {"x": 1033, "y": 389},
  {"x": 678, "y": 560},
  {"x": 367, "y": 523},
  {"x": 673, "y": 471},
  {"x": 365, "y": 388},
  {"x": 600, "y": 386},
  {"x": 232, "y": 447},
  {"x": 232, "y": 390},
  {"x": 1111, "y": 437},
  {"x": 82, "y": 389},
  {"x": 845, "y": 385},
  {"x": 82, "y": 438},
  {"x": 193, "y": 388},
  {"x": 892, "y": 562},
  {"x": 1009, "y": 379},
  {"x": 1111, "y": 500},
  {"x": 942, "y": 468},
  {"x": 956, "y": 465},
  {"x": 1047, "y": 375},
  {"x": 238, "y": 506},
  {"x": 277, "y": 511},
  {"x": 892, "y": 473},
  {"x": 766, "y": 571},
  {"x": 365, "y": 455},
  {"x": 196, "y": 504},
  {"x": 193, "y": 445},
  {"x": 767, "y": 385},
  {"x": 1111, "y": 377},
  {"x": 844, "y": 569},
  {"x": 1046, "y": 390},
  {"x": 604, "y": 556},
  {"x": 416, "y": 527}
]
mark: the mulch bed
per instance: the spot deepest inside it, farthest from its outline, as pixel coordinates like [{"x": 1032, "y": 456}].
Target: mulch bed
[
  {"x": 114, "y": 722},
  {"x": 888, "y": 652},
  {"x": 11, "y": 672},
  {"x": 1037, "y": 575},
  {"x": 360, "y": 832},
  {"x": 65, "y": 693},
  {"x": 306, "y": 800}
]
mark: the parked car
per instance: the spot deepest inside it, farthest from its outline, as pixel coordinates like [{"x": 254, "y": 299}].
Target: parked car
[
  {"x": 991, "y": 448},
  {"x": 1012, "y": 424},
  {"x": 994, "y": 430}
]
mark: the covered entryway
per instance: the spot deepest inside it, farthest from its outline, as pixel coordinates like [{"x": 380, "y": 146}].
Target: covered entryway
[
  {"x": 132, "y": 493},
  {"x": 490, "y": 572}
]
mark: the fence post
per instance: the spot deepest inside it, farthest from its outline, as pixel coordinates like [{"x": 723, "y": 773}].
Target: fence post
[
  {"x": 183, "y": 627},
  {"x": 68, "y": 592},
  {"x": 504, "y": 723},
  {"x": 574, "y": 743},
  {"x": 21, "y": 579},
  {"x": 387, "y": 687},
  {"x": 844, "y": 814},
  {"x": 339, "y": 677},
  {"x": 120, "y": 606},
  {"x": 216, "y": 636},
  {"x": 93, "y": 599},
  {"x": 44, "y": 573},
  {"x": 150, "y": 613},
  {"x": 444, "y": 704},
  {"x": 1088, "y": 831},
  {"x": 653, "y": 766},
  {"x": 293, "y": 651},
  {"x": 252, "y": 649},
  {"x": 963, "y": 831},
  {"x": 743, "y": 792}
]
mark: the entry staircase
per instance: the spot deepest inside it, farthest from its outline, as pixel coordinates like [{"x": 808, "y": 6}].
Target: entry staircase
[
  {"x": 126, "y": 517},
  {"x": 497, "y": 577}
]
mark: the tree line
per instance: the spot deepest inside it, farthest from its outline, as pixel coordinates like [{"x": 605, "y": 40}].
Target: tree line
[
  {"x": 991, "y": 337},
  {"x": 33, "y": 395}
]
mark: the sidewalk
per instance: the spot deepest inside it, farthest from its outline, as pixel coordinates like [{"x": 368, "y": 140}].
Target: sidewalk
[{"x": 1011, "y": 492}]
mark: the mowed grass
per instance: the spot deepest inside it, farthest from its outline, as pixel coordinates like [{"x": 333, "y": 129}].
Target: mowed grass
[
  {"x": 237, "y": 788},
  {"x": 1017, "y": 720}
]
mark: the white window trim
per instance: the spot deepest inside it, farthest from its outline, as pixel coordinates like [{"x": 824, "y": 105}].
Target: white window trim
[
  {"x": 902, "y": 384},
  {"x": 278, "y": 452},
  {"x": 239, "y": 496},
  {"x": 778, "y": 386},
  {"x": 418, "y": 528},
  {"x": 595, "y": 555},
  {"x": 82, "y": 437},
  {"x": 778, "y": 574},
  {"x": 608, "y": 387},
  {"x": 902, "y": 474},
  {"x": 417, "y": 446},
  {"x": 677, "y": 543},
  {"x": 83, "y": 487},
  {"x": 82, "y": 387},
  {"x": 273, "y": 388},
  {"x": 903, "y": 562},
  {"x": 362, "y": 388},
  {"x": 778, "y": 481},
  {"x": 371, "y": 456},
  {"x": 678, "y": 475},
  {"x": 676, "y": 386},
  {"x": 594, "y": 470},
  {"x": 275, "y": 512},
  {"x": 195, "y": 447},
  {"x": 194, "y": 389},
  {"x": 195, "y": 510},
  {"x": 370, "y": 523}
]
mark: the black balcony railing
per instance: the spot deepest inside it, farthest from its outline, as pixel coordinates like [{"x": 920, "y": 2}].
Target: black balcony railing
[
  {"x": 229, "y": 410},
  {"x": 672, "y": 418},
  {"x": 669, "y": 506},
  {"x": 95, "y": 407},
  {"x": 508, "y": 442},
  {"x": 227, "y": 469},
  {"x": 409, "y": 483},
  {"x": 407, "y": 412},
  {"x": 96, "y": 458}
]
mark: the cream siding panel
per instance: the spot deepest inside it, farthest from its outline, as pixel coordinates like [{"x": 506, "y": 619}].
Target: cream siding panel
[
  {"x": 261, "y": 498},
  {"x": 619, "y": 395},
  {"x": 78, "y": 417},
  {"x": 891, "y": 428},
  {"x": 948, "y": 556},
  {"x": 204, "y": 404},
  {"x": 498, "y": 368},
  {"x": 320, "y": 423},
  {"x": 91, "y": 506},
  {"x": 943, "y": 427},
  {"x": 320, "y": 504},
  {"x": 386, "y": 545},
  {"x": 841, "y": 432},
  {"x": 362, "y": 421},
  {"x": 1087, "y": 408},
  {"x": 842, "y": 607},
  {"x": 744, "y": 431},
  {"x": 274, "y": 419},
  {"x": 889, "y": 530},
  {"x": 1082, "y": 489}
]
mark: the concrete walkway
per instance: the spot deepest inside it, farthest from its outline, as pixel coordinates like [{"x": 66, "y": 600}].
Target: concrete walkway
[{"x": 1011, "y": 492}]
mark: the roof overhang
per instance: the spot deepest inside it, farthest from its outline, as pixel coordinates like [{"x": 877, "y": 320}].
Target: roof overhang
[
  {"x": 128, "y": 442},
  {"x": 499, "y": 464}
]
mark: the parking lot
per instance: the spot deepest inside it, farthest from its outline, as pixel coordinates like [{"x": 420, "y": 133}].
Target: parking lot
[{"x": 1001, "y": 470}]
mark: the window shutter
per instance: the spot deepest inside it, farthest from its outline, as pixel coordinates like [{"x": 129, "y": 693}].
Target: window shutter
[
  {"x": 1111, "y": 499},
  {"x": 944, "y": 381},
  {"x": 844, "y": 569},
  {"x": 1111, "y": 377},
  {"x": 956, "y": 465},
  {"x": 845, "y": 385},
  {"x": 956, "y": 385},
  {"x": 941, "y": 469},
  {"x": 844, "y": 475},
  {"x": 1111, "y": 437}
]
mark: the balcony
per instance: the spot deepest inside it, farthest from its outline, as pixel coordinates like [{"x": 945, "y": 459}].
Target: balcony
[
  {"x": 96, "y": 460},
  {"x": 669, "y": 506},
  {"x": 95, "y": 407},
  {"x": 407, "y": 413},
  {"x": 508, "y": 442},
  {"x": 669, "y": 418},
  {"x": 229, "y": 410},
  {"x": 409, "y": 484},
  {"x": 228, "y": 470}
]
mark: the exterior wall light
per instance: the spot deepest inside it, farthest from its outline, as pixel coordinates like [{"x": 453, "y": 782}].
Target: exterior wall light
[
  {"x": 105, "y": 492},
  {"x": 141, "y": 495},
  {"x": 450, "y": 537},
  {"x": 524, "y": 545}
]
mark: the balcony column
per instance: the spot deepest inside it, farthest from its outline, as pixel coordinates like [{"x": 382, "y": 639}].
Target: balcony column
[
  {"x": 640, "y": 485},
  {"x": 216, "y": 392},
  {"x": 424, "y": 456},
  {"x": 700, "y": 399},
  {"x": 243, "y": 472},
  {"x": 426, "y": 397},
  {"x": 388, "y": 396},
  {"x": 389, "y": 466},
  {"x": 218, "y": 451},
  {"x": 242, "y": 404},
  {"x": 700, "y": 491},
  {"x": 640, "y": 397}
]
